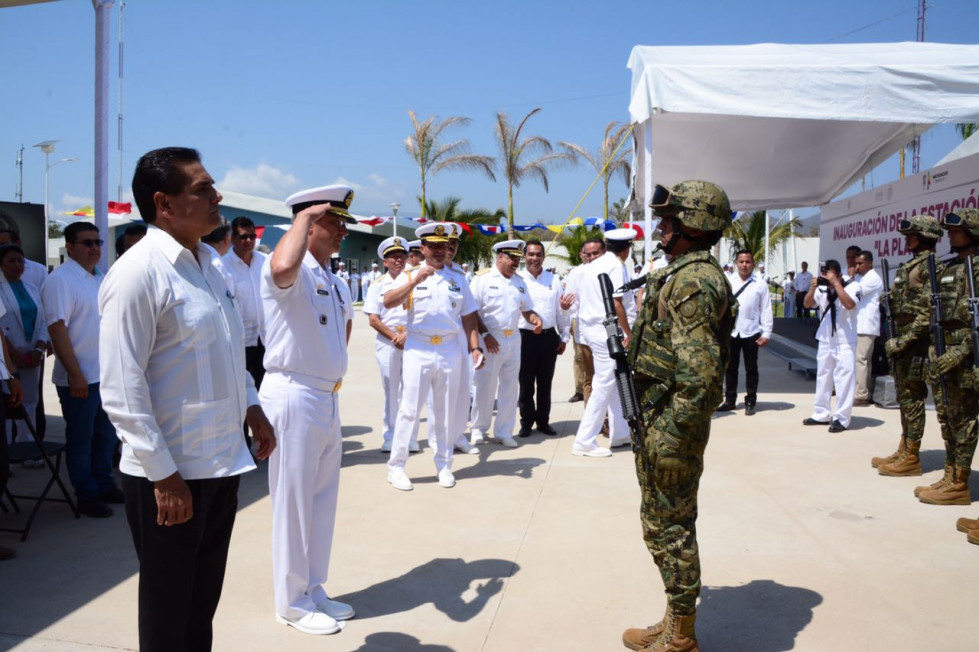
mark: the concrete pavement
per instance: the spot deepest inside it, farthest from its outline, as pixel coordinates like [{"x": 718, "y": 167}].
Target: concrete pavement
[{"x": 804, "y": 546}]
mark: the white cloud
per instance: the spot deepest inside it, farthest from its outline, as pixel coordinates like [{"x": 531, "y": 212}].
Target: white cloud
[
  {"x": 374, "y": 196},
  {"x": 70, "y": 202},
  {"x": 263, "y": 180}
]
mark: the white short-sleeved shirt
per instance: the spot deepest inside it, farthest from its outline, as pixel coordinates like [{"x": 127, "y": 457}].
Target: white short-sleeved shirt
[
  {"x": 71, "y": 295},
  {"x": 247, "y": 283},
  {"x": 591, "y": 309},
  {"x": 501, "y": 299},
  {"x": 868, "y": 310},
  {"x": 438, "y": 303},
  {"x": 34, "y": 273},
  {"x": 174, "y": 382},
  {"x": 306, "y": 323},
  {"x": 546, "y": 292},
  {"x": 846, "y": 320},
  {"x": 374, "y": 303}
]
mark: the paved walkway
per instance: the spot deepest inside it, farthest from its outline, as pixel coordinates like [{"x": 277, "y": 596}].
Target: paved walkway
[{"x": 804, "y": 546}]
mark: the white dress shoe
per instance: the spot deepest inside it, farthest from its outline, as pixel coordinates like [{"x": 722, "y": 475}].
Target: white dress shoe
[
  {"x": 315, "y": 622},
  {"x": 413, "y": 447},
  {"x": 446, "y": 479},
  {"x": 335, "y": 609},
  {"x": 386, "y": 447},
  {"x": 399, "y": 480},
  {"x": 464, "y": 446},
  {"x": 509, "y": 442},
  {"x": 598, "y": 451},
  {"x": 476, "y": 438}
]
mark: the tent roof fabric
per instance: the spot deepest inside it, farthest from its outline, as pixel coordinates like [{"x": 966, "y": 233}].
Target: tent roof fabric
[{"x": 780, "y": 126}]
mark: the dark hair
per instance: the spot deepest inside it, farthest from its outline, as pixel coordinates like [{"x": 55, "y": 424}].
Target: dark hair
[
  {"x": 160, "y": 171},
  {"x": 592, "y": 241},
  {"x": 138, "y": 228},
  {"x": 14, "y": 236},
  {"x": 853, "y": 248},
  {"x": 533, "y": 241},
  {"x": 241, "y": 222},
  {"x": 7, "y": 248},
  {"x": 616, "y": 246},
  {"x": 866, "y": 254},
  {"x": 745, "y": 251},
  {"x": 73, "y": 229},
  {"x": 833, "y": 265},
  {"x": 218, "y": 234}
]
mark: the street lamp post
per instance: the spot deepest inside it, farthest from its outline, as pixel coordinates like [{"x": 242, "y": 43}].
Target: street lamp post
[
  {"x": 47, "y": 147},
  {"x": 394, "y": 207}
]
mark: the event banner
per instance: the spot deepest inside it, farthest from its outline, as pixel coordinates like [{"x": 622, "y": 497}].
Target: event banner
[{"x": 870, "y": 219}]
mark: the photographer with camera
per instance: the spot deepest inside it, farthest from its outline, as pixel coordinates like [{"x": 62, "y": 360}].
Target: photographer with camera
[{"x": 837, "y": 301}]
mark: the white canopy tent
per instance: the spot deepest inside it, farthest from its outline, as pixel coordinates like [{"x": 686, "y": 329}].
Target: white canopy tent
[{"x": 780, "y": 126}]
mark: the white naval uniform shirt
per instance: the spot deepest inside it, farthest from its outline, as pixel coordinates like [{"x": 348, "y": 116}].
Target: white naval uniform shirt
[
  {"x": 71, "y": 295},
  {"x": 438, "y": 303},
  {"x": 846, "y": 320},
  {"x": 591, "y": 309},
  {"x": 545, "y": 293},
  {"x": 754, "y": 307},
  {"x": 501, "y": 300},
  {"x": 374, "y": 304},
  {"x": 306, "y": 324},
  {"x": 173, "y": 363},
  {"x": 247, "y": 282}
]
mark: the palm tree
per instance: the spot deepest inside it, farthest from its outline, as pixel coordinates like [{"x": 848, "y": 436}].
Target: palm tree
[
  {"x": 432, "y": 157},
  {"x": 572, "y": 240},
  {"x": 748, "y": 232},
  {"x": 610, "y": 158},
  {"x": 474, "y": 249},
  {"x": 966, "y": 129},
  {"x": 514, "y": 153}
]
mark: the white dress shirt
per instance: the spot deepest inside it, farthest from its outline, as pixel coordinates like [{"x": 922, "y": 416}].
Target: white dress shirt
[
  {"x": 868, "y": 310},
  {"x": 501, "y": 299},
  {"x": 306, "y": 324},
  {"x": 34, "y": 273},
  {"x": 754, "y": 307},
  {"x": 247, "y": 283},
  {"x": 374, "y": 303},
  {"x": 591, "y": 309},
  {"x": 71, "y": 295},
  {"x": 802, "y": 281},
  {"x": 846, "y": 320},
  {"x": 545, "y": 292},
  {"x": 173, "y": 363}
]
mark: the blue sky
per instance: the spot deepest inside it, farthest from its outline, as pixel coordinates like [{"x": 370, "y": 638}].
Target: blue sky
[{"x": 280, "y": 96}]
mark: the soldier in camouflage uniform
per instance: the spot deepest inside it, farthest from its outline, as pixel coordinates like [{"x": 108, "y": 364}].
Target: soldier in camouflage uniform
[
  {"x": 679, "y": 351},
  {"x": 957, "y": 414},
  {"x": 908, "y": 347}
]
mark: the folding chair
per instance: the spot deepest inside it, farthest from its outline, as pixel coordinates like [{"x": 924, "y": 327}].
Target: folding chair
[{"x": 36, "y": 450}]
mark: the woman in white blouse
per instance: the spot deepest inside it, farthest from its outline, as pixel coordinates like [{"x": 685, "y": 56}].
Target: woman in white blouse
[{"x": 23, "y": 326}]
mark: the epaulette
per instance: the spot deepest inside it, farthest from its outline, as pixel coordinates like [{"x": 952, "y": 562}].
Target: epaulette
[{"x": 484, "y": 271}]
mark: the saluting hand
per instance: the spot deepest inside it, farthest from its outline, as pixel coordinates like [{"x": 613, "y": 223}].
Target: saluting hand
[{"x": 261, "y": 430}]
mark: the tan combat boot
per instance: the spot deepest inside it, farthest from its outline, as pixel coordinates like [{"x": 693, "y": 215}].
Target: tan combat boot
[
  {"x": 679, "y": 635},
  {"x": 955, "y": 492},
  {"x": 966, "y": 524},
  {"x": 877, "y": 461},
  {"x": 637, "y": 639},
  {"x": 945, "y": 479},
  {"x": 907, "y": 463}
]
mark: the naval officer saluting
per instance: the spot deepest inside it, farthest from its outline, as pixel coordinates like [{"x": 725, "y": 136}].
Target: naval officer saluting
[
  {"x": 438, "y": 303},
  {"x": 306, "y": 325},
  {"x": 502, "y": 297}
]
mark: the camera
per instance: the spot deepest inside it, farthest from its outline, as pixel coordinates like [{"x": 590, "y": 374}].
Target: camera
[{"x": 822, "y": 281}]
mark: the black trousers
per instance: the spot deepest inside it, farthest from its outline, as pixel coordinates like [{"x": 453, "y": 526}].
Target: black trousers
[
  {"x": 748, "y": 347},
  {"x": 255, "y": 366},
  {"x": 538, "y": 356},
  {"x": 181, "y": 567},
  {"x": 800, "y": 309}
]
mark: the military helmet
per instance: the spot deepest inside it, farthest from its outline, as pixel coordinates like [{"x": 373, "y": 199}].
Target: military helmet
[
  {"x": 923, "y": 225},
  {"x": 697, "y": 204},
  {"x": 967, "y": 218}
]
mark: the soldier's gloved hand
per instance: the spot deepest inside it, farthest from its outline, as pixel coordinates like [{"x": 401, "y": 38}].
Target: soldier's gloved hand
[
  {"x": 670, "y": 470},
  {"x": 892, "y": 347}
]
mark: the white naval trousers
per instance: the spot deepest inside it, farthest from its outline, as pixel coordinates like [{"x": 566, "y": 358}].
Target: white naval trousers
[
  {"x": 835, "y": 368},
  {"x": 389, "y": 360},
  {"x": 459, "y": 404},
  {"x": 434, "y": 368},
  {"x": 501, "y": 370},
  {"x": 604, "y": 395},
  {"x": 304, "y": 479}
]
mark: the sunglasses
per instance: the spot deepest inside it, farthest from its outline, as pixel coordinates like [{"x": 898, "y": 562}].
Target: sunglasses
[
  {"x": 89, "y": 242},
  {"x": 246, "y": 236}
]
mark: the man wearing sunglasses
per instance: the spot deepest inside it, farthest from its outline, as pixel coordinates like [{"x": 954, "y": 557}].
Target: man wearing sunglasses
[
  {"x": 679, "y": 349},
  {"x": 957, "y": 411},
  {"x": 70, "y": 298},
  {"x": 908, "y": 348}
]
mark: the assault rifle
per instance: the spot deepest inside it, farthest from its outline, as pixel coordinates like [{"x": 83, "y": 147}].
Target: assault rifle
[
  {"x": 623, "y": 374},
  {"x": 937, "y": 334},
  {"x": 885, "y": 299},
  {"x": 973, "y": 309}
]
